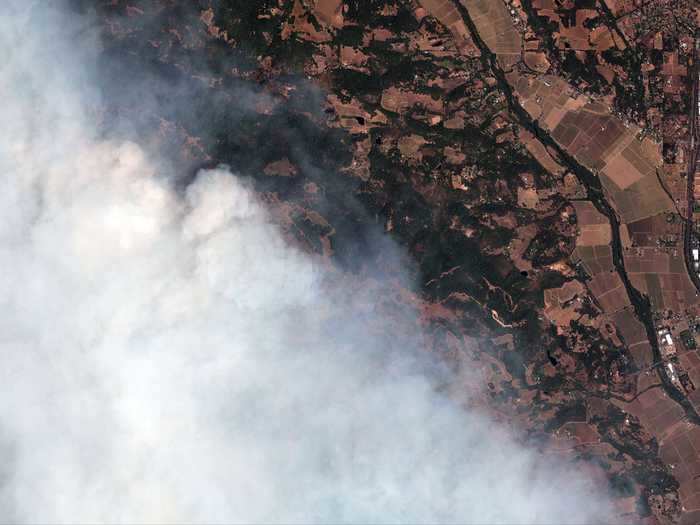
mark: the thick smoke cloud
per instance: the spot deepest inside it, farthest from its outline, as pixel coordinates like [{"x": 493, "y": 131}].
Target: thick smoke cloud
[{"x": 166, "y": 357}]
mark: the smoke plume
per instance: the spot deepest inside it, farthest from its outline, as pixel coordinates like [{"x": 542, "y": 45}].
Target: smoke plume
[{"x": 168, "y": 358}]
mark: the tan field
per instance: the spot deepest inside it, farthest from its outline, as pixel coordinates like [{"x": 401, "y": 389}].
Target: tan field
[{"x": 495, "y": 26}]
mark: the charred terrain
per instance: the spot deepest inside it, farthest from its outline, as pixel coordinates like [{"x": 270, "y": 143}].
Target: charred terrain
[{"x": 535, "y": 159}]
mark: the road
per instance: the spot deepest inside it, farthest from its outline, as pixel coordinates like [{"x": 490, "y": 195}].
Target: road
[
  {"x": 692, "y": 162},
  {"x": 596, "y": 195}
]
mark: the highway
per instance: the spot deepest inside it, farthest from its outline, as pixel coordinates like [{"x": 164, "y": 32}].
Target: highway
[
  {"x": 694, "y": 116},
  {"x": 596, "y": 195}
]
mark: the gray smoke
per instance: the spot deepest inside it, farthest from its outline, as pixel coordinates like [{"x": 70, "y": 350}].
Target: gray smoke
[{"x": 168, "y": 358}]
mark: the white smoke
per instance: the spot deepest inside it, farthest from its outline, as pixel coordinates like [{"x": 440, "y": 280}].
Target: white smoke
[{"x": 168, "y": 358}]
